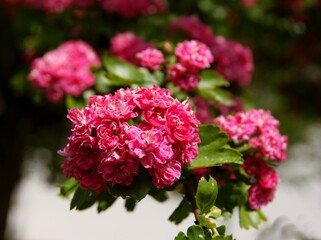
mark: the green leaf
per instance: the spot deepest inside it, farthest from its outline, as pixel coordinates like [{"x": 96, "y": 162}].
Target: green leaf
[
  {"x": 217, "y": 95},
  {"x": 151, "y": 79},
  {"x": 123, "y": 70},
  {"x": 130, "y": 204},
  {"x": 250, "y": 218},
  {"x": 195, "y": 233},
  {"x": 82, "y": 199},
  {"x": 102, "y": 83},
  {"x": 208, "y": 236},
  {"x": 72, "y": 102},
  {"x": 138, "y": 190},
  {"x": 223, "y": 238},
  {"x": 211, "y": 80},
  {"x": 158, "y": 194},
  {"x": 105, "y": 200},
  {"x": 68, "y": 187},
  {"x": 206, "y": 222},
  {"x": 215, "y": 212},
  {"x": 230, "y": 196},
  {"x": 206, "y": 194},
  {"x": 208, "y": 133},
  {"x": 210, "y": 156},
  {"x": 211, "y": 134},
  {"x": 181, "y": 212},
  {"x": 221, "y": 230},
  {"x": 181, "y": 236}
]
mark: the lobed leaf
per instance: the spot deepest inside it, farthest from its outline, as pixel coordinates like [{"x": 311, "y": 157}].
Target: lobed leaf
[
  {"x": 250, "y": 218},
  {"x": 206, "y": 194},
  {"x": 82, "y": 199},
  {"x": 210, "y": 156},
  {"x": 181, "y": 212}
]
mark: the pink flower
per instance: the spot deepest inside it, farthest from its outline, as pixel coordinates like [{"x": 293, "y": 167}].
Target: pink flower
[
  {"x": 65, "y": 70},
  {"x": 149, "y": 145},
  {"x": 268, "y": 178},
  {"x": 271, "y": 144},
  {"x": 183, "y": 77},
  {"x": 233, "y": 60},
  {"x": 238, "y": 127},
  {"x": 165, "y": 175},
  {"x": 151, "y": 58},
  {"x": 203, "y": 113},
  {"x": 152, "y": 98},
  {"x": 181, "y": 124},
  {"x": 162, "y": 138},
  {"x": 194, "y": 54},
  {"x": 193, "y": 27},
  {"x": 126, "y": 45},
  {"x": 260, "y": 129},
  {"x": 259, "y": 196},
  {"x": 253, "y": 166},
  {"x": 130, "y": 9},
  {"x": 118, "y": 167}
]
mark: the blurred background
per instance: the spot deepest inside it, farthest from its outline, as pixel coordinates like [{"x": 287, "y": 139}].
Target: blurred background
[{"x": 285, "y": 38}]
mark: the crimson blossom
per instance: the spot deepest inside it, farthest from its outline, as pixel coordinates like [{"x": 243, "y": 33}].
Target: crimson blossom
[
  {"x": 115, "y": 136},
  {"x": 65, "y": 70}
]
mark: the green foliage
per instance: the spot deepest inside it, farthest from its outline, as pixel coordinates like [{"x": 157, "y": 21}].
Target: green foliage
[
  {"x": 250, "y": 218},
  {"x": 195, "y": 233},
  {"x": 209, "y": 88},
  {"x": 138, "y": 190},
  {"x": 181, "y": 212},
  {"x": 231, "y": 195},
  {"x": 212, "y": 151},
  {"x": 105, "y": 200},
  {"x": 210, "y": 156},
  {"x": 68, "y": 187},
  {"x": 206, "y": 194},
  {"x": 121, "y": 73},
  {"x": 211, "y": 134},
  {"x": 82, "y": 199}
]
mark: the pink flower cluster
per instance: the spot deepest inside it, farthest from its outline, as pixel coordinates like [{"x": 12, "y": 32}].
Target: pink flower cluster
[
  {"x": 151, "y": 58},
  {"x": 127, "y": 45},
  {"x": 129, "y": 8},
  {"x": 192, "y": 56},
  {"x": 52, "y": 6},
  {"x": 125, "y": 8},
  {"x": 105, "y": 149},
  {"x": 262, "y": 191},
  {"x": 65, "y": 70},
  {"x": 233, "y": 60},
  {"x": 260, "y": 129}
]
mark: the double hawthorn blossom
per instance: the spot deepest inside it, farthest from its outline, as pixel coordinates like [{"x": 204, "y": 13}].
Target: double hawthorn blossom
[
  {"x": 260, "y": 129},
  {"x": 104, "y": 149},
  {"x": 192, "y": 56},
  {"x": 232, "y": 60},
  {"x": 266, "y": 180},
  {"x": 65, "y": 70}
]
